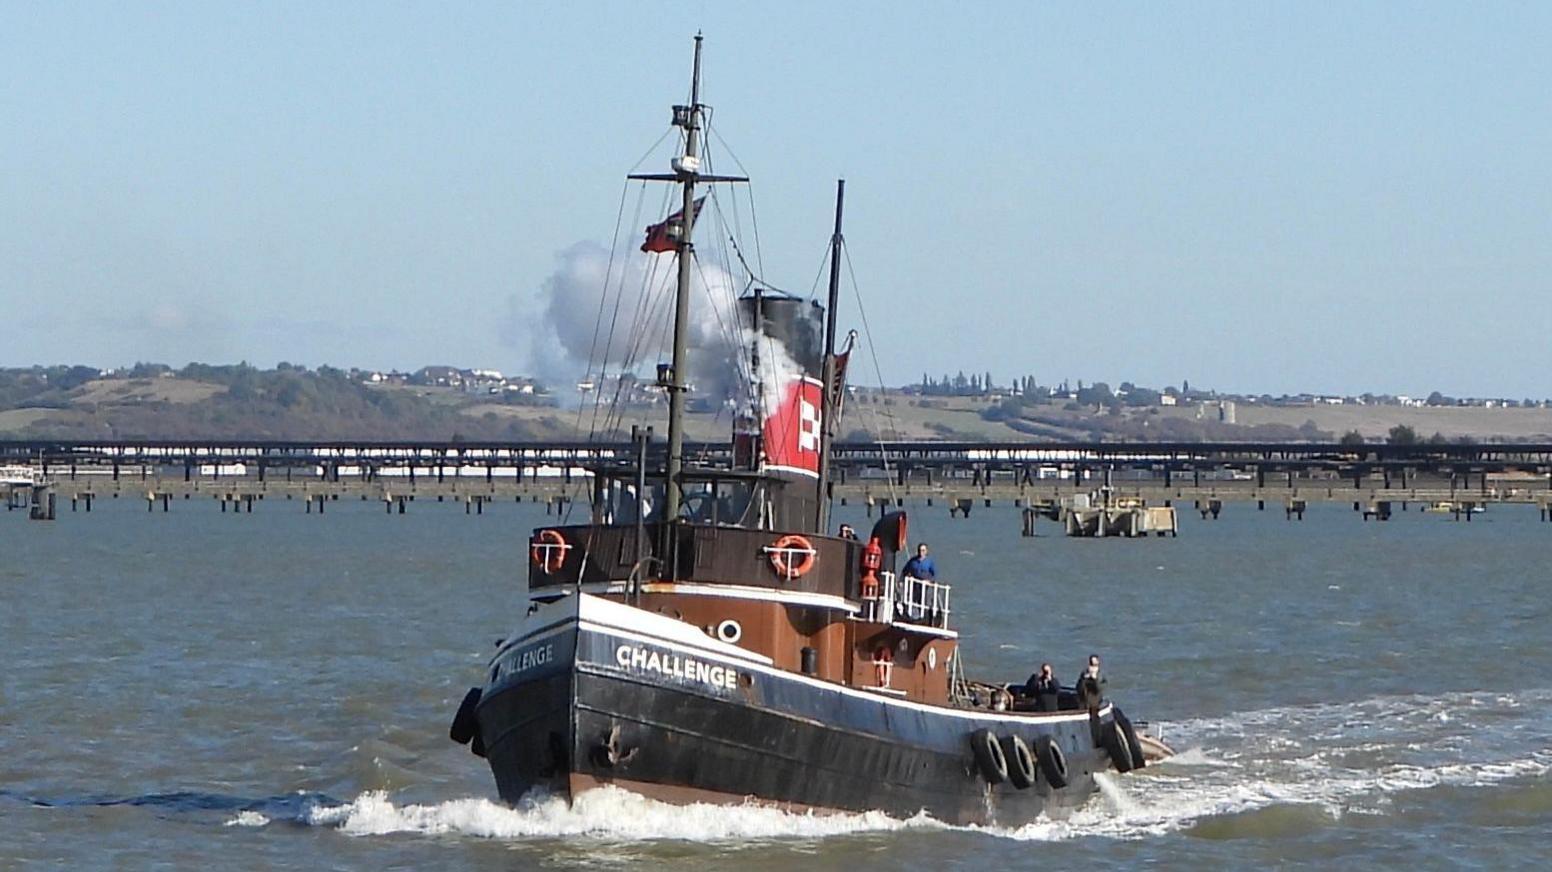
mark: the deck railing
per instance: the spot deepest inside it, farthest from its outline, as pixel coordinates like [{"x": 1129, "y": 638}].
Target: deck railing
[{"x": 908, "y": 599}]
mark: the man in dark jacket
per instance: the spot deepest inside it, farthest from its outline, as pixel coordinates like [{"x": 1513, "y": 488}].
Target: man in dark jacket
[
  {"x": 1042, "y": 687},
  {"x": 1091, "y": 684}
]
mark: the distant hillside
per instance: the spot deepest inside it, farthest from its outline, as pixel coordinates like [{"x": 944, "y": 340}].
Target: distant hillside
[
  {"x": 440, "y": 403},
  {"x": 242, "y": 402}
]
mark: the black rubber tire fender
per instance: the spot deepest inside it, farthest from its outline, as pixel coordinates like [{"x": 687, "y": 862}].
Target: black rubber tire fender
[
  {"x": 1022, "y": 770},
  {"x": 1053, "y": 763},
  {"x": 1119, "y": 749},
  {"x": 1124, "y": 724},
  {"x": 465, "y": 725},
  {"x": 989, "y": 757}
]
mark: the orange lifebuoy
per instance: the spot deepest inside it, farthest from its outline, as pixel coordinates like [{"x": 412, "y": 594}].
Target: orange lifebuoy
[
  {"x": 548, "y": 550},
  {"x": 791, "y": 556},
  {"x": 883, "y": 664}
]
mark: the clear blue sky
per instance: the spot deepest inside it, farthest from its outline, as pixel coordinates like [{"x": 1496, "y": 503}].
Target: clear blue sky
[{"x": 1259, "y": 197}]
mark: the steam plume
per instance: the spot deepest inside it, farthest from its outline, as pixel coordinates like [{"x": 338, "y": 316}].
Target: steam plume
[{"x": 570, "y": 338}]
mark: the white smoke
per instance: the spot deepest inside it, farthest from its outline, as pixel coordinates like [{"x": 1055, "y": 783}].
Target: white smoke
[
  {"x": 586, "y": 295},
  {"x": 777, "y": 370}
]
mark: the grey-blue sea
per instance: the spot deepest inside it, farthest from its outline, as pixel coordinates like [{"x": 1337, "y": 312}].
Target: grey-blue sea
[{"x": 205, "y": 690}]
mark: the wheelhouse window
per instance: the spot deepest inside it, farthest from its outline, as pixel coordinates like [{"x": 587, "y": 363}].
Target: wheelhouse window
[
  {"x": 623, "y": 503},
  {"x": 720, "y": 502}
]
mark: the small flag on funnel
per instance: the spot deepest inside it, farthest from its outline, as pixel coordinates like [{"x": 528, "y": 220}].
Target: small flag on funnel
[{"x": 838, "y": 387}]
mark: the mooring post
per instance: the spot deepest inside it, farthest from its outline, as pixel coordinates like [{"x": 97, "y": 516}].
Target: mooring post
[{"x": 42, "y": 504}]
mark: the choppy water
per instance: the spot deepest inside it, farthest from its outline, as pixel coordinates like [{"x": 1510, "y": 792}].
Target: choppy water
[{"x": 270, "y": 691}]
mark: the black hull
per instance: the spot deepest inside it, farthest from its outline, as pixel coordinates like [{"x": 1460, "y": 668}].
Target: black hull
[{"x": 692, "y": 731}]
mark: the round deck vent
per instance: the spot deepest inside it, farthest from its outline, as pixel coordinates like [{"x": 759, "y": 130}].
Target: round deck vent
[{"x": 730, "y": 632}]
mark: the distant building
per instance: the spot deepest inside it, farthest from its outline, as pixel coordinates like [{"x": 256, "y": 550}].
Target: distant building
[
  {"x": 1222, "y": 411},
  {"x": 1167, "y": 399},
  {"x": 439, "y": 376}
]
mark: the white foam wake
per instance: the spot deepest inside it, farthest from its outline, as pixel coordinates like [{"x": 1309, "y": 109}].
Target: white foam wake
[
  {"x": 248, "y": 819},
  {"x": 608, "y": 813}
]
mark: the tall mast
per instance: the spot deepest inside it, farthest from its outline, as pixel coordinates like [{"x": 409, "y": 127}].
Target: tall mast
[
  {"x": 687, "y": 168},
  {"x": 827, "y": 403}
]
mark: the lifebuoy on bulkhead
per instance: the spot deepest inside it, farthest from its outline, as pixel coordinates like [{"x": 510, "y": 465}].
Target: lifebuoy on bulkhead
[
  {"x": 548, "y": 550},
  {"x": 792, "y": 556},
  {"x": 883, "y": 665}
]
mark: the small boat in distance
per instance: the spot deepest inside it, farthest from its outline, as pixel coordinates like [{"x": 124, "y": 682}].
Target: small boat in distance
[
  {"x": 1455, "y": 507},
  {"x": 704, "y": 638}
]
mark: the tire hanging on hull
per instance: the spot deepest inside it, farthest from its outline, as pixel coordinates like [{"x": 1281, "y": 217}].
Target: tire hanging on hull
[
  {"x": 989, "y": 757},
  {"x": 1053, "y": 763},
  {"x": 1119, "y": 748},
  {"x": 465, "y": 726},
  {"x": 1022, "y": 770},
  {"x": 1124, "y": 724}
]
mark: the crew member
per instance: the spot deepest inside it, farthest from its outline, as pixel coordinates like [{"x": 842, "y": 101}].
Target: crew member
[
  {"x": 1091, "y": 684},
  {"x": 1043, "y": 688},
  {"x": 848, "y": 533},
  {"x": 921, "y": 566}
]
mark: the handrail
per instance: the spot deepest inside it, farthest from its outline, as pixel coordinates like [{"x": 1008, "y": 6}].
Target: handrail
[{"x": 909, "y": 600}]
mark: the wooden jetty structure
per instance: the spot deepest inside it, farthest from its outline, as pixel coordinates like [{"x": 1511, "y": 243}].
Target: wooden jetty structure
[
  {"x": 1102, "y": 514},
  {"x": 956, "y": 475}
]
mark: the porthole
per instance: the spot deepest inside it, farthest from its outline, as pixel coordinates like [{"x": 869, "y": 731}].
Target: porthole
[
  {"x": 730, "y": 632},
  {"x": 932, "y": 658}
]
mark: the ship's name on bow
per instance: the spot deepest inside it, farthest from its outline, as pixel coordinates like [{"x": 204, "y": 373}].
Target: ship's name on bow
[
  {"x": 639, "y": 659},
  {"x": 533, "y": 657},
  {"x": 519, "y": 662}
]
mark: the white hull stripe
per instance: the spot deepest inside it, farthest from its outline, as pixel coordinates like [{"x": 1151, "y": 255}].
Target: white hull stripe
[
  {"x": 729, "y": 591},
  {"x": 761, "y": 664}
]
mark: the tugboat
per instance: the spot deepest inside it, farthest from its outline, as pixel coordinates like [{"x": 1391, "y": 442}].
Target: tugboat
[{"x": 705, "y": 639}]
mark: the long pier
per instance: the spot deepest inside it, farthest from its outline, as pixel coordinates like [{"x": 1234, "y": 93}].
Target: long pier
[{"x": 957, "y": 474}]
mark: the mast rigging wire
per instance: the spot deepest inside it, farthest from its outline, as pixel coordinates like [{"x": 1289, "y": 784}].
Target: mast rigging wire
[
  {"x": 603, "y": 299},
  {"x": 878, "y": 372}
]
